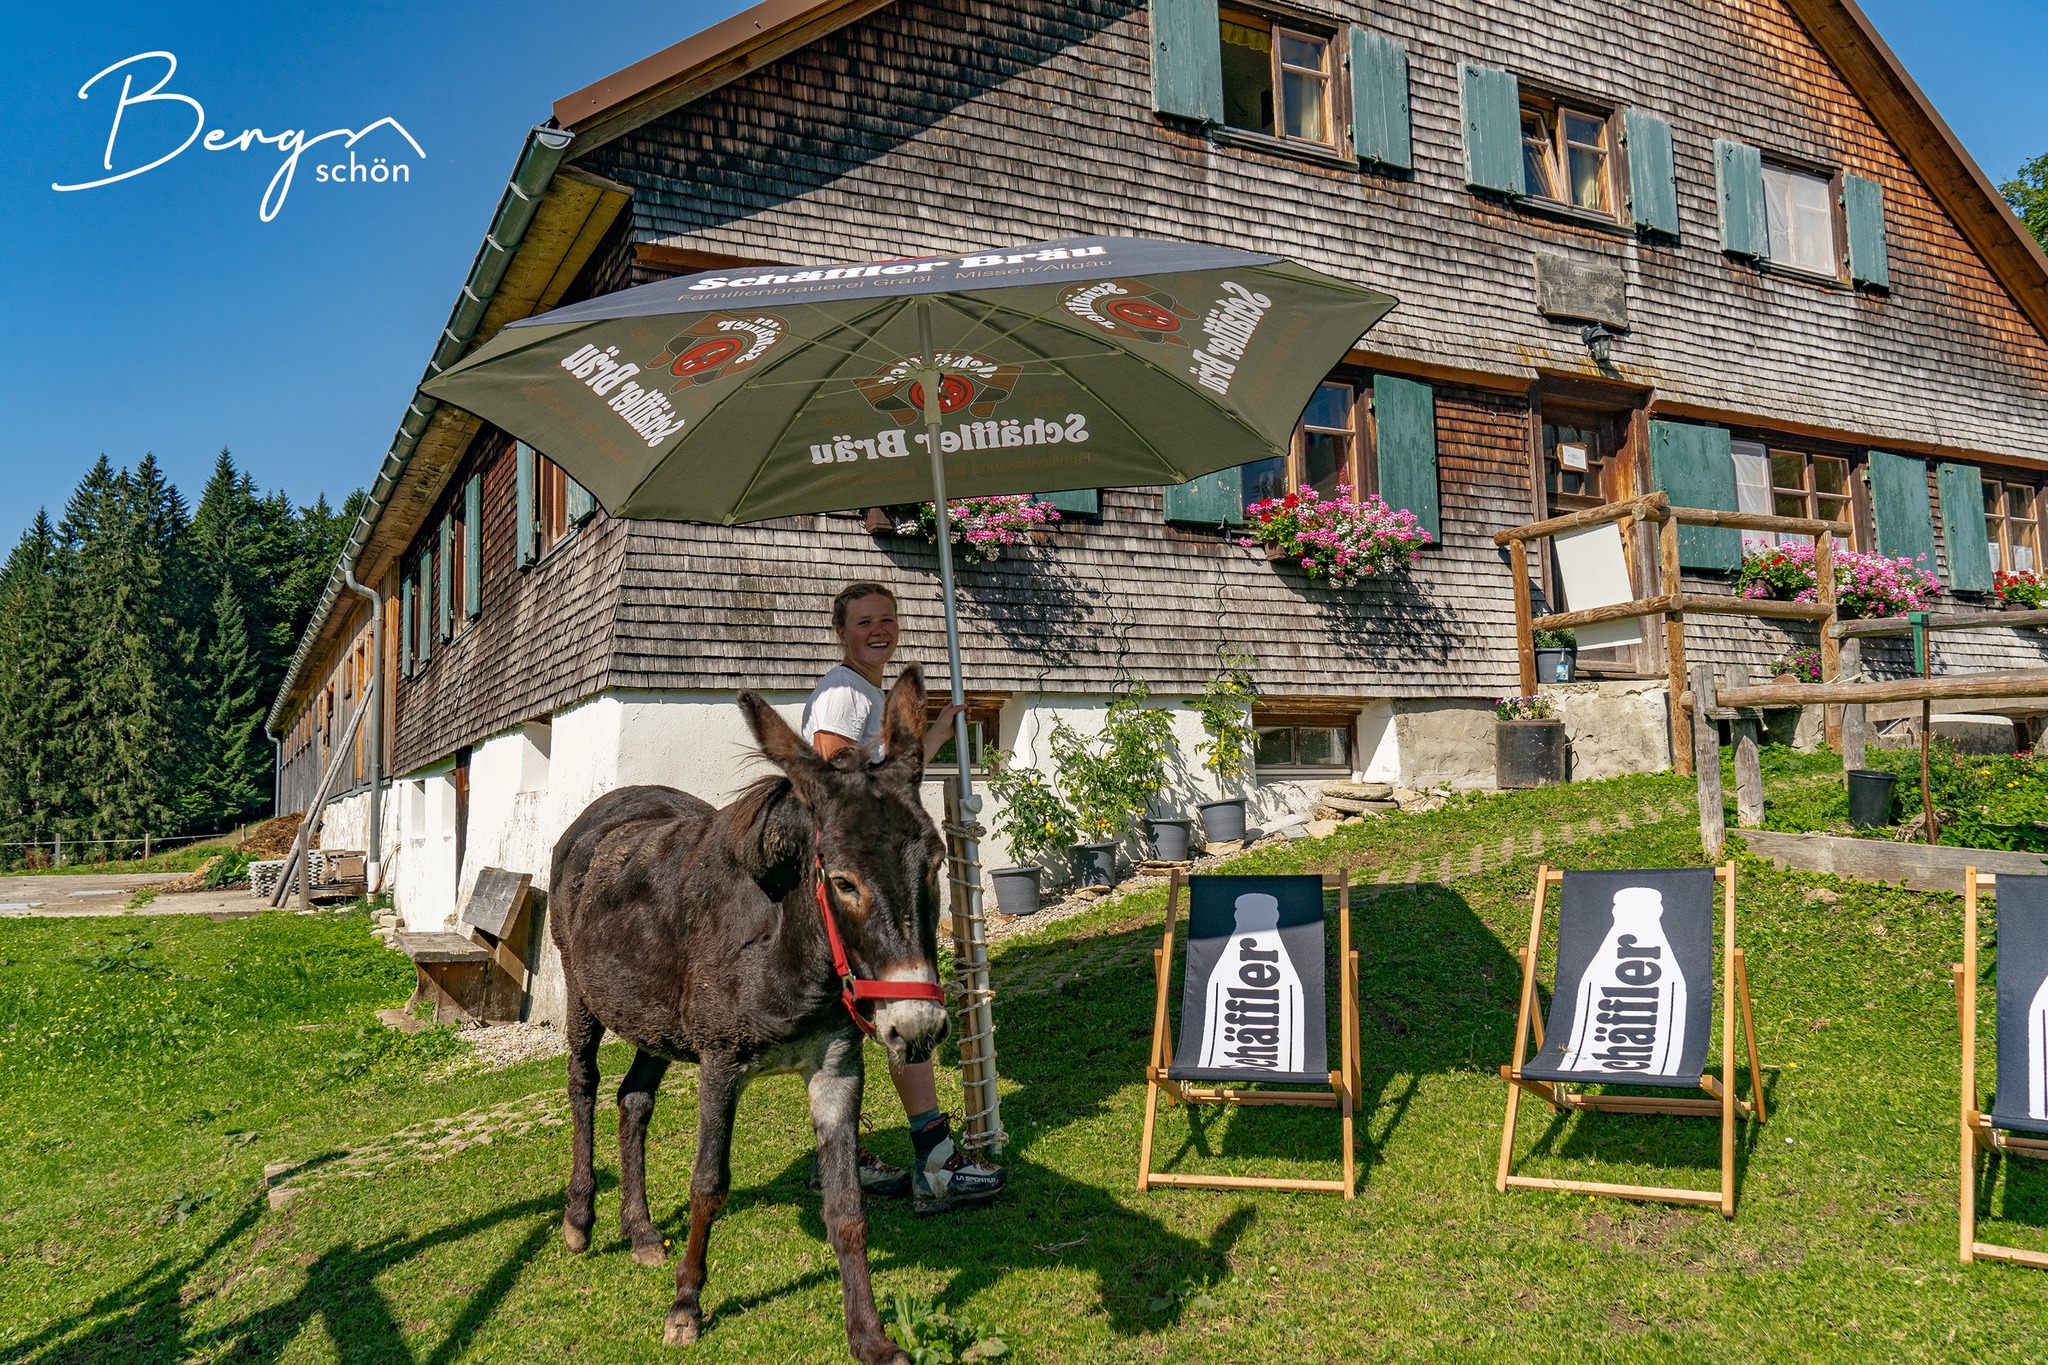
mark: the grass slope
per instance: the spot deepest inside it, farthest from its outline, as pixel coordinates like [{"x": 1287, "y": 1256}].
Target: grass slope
[{"x": 151, "y": 1068}]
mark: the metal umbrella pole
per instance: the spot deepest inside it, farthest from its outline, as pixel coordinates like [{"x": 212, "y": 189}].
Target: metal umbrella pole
[{"x": 982, "y": 1125}]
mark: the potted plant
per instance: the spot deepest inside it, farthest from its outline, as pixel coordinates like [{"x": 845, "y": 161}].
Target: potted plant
[
  {"x": 1528, "y": 741},
  {"x": 983, "y": 526},
  {"x": 1800, "y": 665},
  {"x": 1225, "y": 708},
  {"x": 1866, "y": 585},
  {"x": 1336, "y": 540},
  {"x": 1035, "y": 823},
  {"x": 1557, "y": 656},
  {"x": 1108, "y": 778},
  {"x": 2021, "y": 591}
]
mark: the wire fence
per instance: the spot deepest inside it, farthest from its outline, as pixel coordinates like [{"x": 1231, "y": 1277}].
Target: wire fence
[{"x": 146, "y": 846}]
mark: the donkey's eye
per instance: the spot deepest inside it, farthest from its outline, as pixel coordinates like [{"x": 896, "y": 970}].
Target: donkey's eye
[{"x": 845, "y": 886}]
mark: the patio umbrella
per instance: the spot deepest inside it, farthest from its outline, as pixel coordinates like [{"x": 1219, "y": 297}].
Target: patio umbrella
[{"x": 756, "y": 392}]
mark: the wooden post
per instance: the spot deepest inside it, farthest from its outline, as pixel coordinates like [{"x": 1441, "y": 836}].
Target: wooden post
[
  {"x": 1830, "y": 647},
  {"x": 145, "y": 847},
  {"x": 1669, "y": 585},
  {"x": 1525, "y": 640},
  {"x": 1852, "y": 716},
  {"x": 1749, "y": 777},
  {"x": 1966, "y": 1009},
  {"x": 1706, "y": 752}
]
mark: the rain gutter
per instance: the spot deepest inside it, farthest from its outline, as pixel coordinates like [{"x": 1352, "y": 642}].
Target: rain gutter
[{"x": 539, "y": 158}]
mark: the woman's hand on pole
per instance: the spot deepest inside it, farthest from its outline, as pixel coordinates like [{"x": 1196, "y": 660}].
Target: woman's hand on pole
[{"x": 941, "y": 730}]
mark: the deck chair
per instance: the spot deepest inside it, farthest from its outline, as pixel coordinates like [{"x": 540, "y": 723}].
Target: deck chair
[
  {"x": 2018, "y": 1119},
  {"x": 1633, "y": 1004},
  {"x": 1254, "y": 1009}
]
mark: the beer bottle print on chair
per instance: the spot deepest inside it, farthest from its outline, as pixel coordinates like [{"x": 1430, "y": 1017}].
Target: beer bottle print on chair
[
  {"x": 1633, "y": 1004},
  {"x": 2015, "y": 1122},
  {"x": 1254, "y": 1011}
]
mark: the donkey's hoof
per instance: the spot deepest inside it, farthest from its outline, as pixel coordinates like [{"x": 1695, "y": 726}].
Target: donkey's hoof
[
  {"x": 575, "y": 1238},
  {"x": 650, "y": 1253},
  {"x": 681, "y": 1329}
]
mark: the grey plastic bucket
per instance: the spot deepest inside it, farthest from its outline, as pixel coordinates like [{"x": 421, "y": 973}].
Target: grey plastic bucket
[
  {"x": 1016, "y": 890},
  {"x": 1870, "y": 797},
  {"x": 1222, "y": 821},
  {"x": 1093, "y": 864},
  {"x": 1170, "y": 838}
]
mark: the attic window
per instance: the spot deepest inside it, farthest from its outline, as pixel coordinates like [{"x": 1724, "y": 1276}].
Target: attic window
[
  {"x": 1565, "y": 156},
  {"x": 1799, "y": 210}
]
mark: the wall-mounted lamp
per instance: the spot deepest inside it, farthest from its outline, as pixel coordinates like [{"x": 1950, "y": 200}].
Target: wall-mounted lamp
[{"x": 1599, "y": 341}]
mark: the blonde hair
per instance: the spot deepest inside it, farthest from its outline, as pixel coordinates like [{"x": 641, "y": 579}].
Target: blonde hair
[{"x": 853, "y": 592}]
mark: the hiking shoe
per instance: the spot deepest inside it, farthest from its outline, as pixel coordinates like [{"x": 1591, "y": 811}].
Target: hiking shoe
[
  {"x": 877, "y": 1177},
  {"x": 947, "y": 1177}
]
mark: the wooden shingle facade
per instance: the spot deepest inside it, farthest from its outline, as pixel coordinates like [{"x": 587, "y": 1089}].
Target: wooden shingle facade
[{"x": 817, "y": 133}]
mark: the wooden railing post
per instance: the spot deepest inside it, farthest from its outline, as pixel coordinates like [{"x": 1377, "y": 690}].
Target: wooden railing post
[
  {"x": 1706, "y": 754},
  {"x": 1830, "y": 647},
  {"x": 1525, "y": 639},
  {"x": 1853, "y": 756},
  {"x": 1670, "y": 586},
  {"x": 1749, "y": 775}
]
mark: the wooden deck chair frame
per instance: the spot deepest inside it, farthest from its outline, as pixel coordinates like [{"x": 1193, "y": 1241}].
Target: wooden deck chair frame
[
  {"x": 1345, "y": 1083},
  {"x": 1734, "y": 988},
  {"x": 1978, "y": 1134}
]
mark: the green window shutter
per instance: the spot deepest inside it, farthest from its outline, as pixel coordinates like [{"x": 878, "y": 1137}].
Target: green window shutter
[
  {"x": 473, "y": 547},
  {"x": 1086, "y": 501},
  {"x": 444, "y": 585},
  {"x": 1739, "y": 186},
  {"x": 1863, "y": 207},
  {"x": 1652, "y": 173},
  {"x": 581, "y": 506},
  {"x": 1962, "y": 526},
  {"x": 1696, "y": 466},
  {"x": 1491, "y": 102},
  {"x": 405, "y": 627},
  {"x": 1898, "y": 504},
  {"x": 1187, "y": 60},
  {"x": 426, "y": 612},
  {"x": 1404, "y": 422},
  {"x": 1212, "y": 500},
  {"x": 523, "y": 511},
  {"x": 1379, "y": 101}
]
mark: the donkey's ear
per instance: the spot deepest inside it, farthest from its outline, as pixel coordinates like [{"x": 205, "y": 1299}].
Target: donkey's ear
[
  {"x": 903, "y": 724},
  {"x": 780, "y": 745}
]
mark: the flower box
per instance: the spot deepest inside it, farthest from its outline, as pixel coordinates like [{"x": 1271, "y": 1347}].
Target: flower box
[{"x": 1336, "y": 540}]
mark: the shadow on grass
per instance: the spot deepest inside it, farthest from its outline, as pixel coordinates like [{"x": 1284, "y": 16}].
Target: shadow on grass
[{"x": 144, "y": 1320}]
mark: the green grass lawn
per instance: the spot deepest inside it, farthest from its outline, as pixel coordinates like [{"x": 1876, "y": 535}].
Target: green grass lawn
[
  {"x": 149, "y": 1068},
  {"x": 184, "y": 858}
]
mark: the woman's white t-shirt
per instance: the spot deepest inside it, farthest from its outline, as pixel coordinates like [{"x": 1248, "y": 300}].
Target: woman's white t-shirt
[{"x": 848, "y": 705}]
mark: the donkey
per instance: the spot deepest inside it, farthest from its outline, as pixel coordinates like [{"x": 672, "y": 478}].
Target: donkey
[{"x": 700, "y": 935}]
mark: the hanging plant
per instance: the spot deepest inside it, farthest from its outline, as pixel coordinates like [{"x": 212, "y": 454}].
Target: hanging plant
[
  {"x": 1866, "y": 585},
  {"x": 1338, "y": 540},
  {"x": 2020, "y": 589},
  {"x": 983, "y": 526}
]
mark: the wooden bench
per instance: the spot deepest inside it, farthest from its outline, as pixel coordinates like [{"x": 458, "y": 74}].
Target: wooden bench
[{"x": 478, "y": 975}]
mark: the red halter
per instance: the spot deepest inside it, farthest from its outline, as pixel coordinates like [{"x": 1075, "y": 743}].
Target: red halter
[{"x": 853, "y": 989}]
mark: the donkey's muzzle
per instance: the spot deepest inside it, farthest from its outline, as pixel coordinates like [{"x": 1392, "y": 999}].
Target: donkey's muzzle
[{"x": 911, "y": 1029}]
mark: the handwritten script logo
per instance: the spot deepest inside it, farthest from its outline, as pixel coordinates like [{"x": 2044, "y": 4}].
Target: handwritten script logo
[{"x": 291, "y": 143}]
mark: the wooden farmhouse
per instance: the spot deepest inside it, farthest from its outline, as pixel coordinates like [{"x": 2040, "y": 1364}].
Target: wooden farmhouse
[{"x": 1724, "y": 249}]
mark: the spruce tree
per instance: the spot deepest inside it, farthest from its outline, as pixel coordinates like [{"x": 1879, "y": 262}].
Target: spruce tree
[
  {"x": 232, "y": 769},
  {"x": 36, "y": 673}
]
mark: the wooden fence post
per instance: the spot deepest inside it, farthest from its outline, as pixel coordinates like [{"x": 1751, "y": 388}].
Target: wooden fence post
[
  {"x": 1525, "y": 641},
  {"x": 1830, "y": 647},
  {"x": 1852, "y": 716},
  {"x": 1669, "y": 585},
  {"x": 1749, "y": 776},
  {"x": 1706, "y": 756}
]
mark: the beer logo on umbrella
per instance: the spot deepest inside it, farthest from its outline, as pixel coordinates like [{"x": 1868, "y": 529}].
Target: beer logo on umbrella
[
  {"x": 716, "y": 346},
  {"x": 1129, "y": 309},
  {"x": 969, "y": 383}
]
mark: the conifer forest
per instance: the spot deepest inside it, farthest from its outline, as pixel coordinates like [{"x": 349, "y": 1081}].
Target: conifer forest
[{"x": 141, "y": 642}]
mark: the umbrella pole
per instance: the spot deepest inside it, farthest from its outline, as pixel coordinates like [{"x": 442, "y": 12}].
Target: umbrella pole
[{"x": 982, "y": 1124}]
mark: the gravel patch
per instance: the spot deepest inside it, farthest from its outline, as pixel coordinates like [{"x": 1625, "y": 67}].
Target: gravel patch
[{"x": 497, "y": 1046}]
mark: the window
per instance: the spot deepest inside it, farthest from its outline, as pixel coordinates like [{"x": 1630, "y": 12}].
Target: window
[
  {"x": 1800, "y": 217},
  {"x": 1306, "y": 748},
  {"x": 1576, "y": 450},
  {"x": 982, "y": 716},
  {"x": 551, "y": 504},
  {"x": 1326, "y": 451},
  {"x": 1791, "y": 483},
  {"x": 452, "y": 574},
  {"x": 1564, "y": 156},
  {"x": 2012, "y": 525},
  {"x": 1276, "y": 80}
]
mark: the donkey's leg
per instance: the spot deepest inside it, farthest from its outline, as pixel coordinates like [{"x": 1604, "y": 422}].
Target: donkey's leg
[
  {"x": 718, "y": 1096},
  {"x": 636, "y": 1106},
  {"x": 584, "y": 1034},
  {"x": 835, "y": 1112}
]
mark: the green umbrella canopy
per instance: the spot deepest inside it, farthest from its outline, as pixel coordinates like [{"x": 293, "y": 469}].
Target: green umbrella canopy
[{"x": 757, "y": 392}]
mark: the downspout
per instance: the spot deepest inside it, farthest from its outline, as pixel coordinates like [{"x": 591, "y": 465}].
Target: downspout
[
  {"x": 373, "y": 743},
  {"x": 276, "y": 776}
]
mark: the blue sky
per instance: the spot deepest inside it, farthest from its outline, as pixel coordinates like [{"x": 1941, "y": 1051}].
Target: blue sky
[{"x": 161, "y": 314}]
